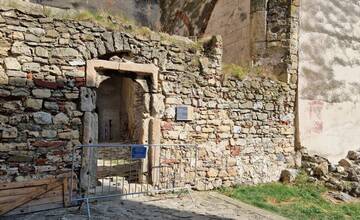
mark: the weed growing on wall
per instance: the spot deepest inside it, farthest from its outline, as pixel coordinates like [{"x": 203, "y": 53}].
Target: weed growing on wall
[{"x": 243, "y": 71}]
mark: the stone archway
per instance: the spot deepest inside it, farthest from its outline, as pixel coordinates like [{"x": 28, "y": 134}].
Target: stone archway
[
  {"x": 145, "y": 76},
  {"x": 142, "y": 73},
  {"x": 121, "y": 106}
]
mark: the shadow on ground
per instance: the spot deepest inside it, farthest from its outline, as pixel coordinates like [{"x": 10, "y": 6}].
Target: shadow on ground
[{"x": 205, "y": 206}]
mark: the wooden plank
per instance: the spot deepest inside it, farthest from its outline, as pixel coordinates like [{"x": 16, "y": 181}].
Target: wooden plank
[
  {"x": 31, "y": 183},
  {"x": 34, "y": 208},
  {"x": 9, "y": 199},
  {"x": 58, "y": 195},
  {"x": 32, "y": 194},
  {"x": 13, "y": 192},
  {"x": 46, "y": 200},
  {"x": 56, "y": 192}
]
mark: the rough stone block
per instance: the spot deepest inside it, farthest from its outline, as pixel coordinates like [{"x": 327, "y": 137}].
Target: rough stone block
[
  {"x": 87, "y": 99},
  {"x": 158, "y": 105},
  {"x": 61, "y": 118},
  {"x": 64, "y": 52},
  {"x": 41, "y": 93},
  {"x": 18, "y": 92},
  {"x": 42, "y": 118},
  {"x": 118, "y": 42},
  {"x": 12, "y": 63},
  {"x": 35, "y": 104},
  {"x": 109, "y": 42},
  {"x": 54, "y": 144},
  {"x": 288, "y": 175},
  {"x": 51, "y": 106},
  {"x": 41, "y": 52},
  {"x": 19, "y": 48},
  {"x": 4, "y": 79},
  {"x": 9, "y": 132}
]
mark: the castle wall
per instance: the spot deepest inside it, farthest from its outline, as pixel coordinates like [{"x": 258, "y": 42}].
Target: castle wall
[{"x": 244, "y": 128}]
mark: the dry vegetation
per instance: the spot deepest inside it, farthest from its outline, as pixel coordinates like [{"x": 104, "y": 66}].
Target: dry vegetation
[{"x": 243, "y": 71}]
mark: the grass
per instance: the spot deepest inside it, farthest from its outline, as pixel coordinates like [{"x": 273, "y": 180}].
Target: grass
[
  {"x": 120, "y": 22},
  {"x": 235, "y": 70},
  {"x": 104, "y": 19},
  {"x": 243, "y": 71},
  {"x": 301, "y": 200}
]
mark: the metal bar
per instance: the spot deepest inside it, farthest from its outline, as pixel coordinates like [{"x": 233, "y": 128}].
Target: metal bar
[
  {"x": 110, "y": 171},
  {"x": 123, "y": 180},
  {"x": 170, "y": 167},
  {"x": 103, "y": 178},
  {"x": 159, "y": 169},
  {"x": 108, "y": 196},
  {"x": 129, "y": 174},
  {"x": 88, "y": 208},
  {"x": 72, "y": 174},
  {"x": 88, "y": 178},
  {"x": 196, "y": 159},
  {"x": 116, "y": 178},
  {"x": 135, "y": 145},
  {"x": 138, "y": 193}
]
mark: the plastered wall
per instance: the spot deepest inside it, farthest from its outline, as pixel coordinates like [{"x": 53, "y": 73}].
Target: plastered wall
[
  {"x": 231, "y": 19},
  {"x": 329, "y": 79}
]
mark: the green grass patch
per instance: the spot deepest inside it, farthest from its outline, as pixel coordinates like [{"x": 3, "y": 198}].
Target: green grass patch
[
  {"x": 301, "y": 200},
  {"x": 243, "y": 71},
  {"x": 235, "y": 70},
  {"x": 103, "y": 18}
]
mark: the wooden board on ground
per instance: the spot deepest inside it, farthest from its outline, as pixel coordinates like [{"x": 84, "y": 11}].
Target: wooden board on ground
[{"x": 35, "y": 195}]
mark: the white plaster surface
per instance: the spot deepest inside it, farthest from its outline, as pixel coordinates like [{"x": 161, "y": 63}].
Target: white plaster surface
[{"x": 329, "y": 77}]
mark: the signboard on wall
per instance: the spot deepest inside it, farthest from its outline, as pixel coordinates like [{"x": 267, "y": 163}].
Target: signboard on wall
[
  {"x": 138, "y": 152},
  {"x": 184, "y": 113}
]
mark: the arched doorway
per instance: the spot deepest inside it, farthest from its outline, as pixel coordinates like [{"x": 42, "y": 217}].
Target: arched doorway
[
  {"x": 125, "y": 93},
  {"x": 120, "y": 106}
]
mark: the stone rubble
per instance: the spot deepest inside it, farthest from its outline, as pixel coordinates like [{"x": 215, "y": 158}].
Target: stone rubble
[{"x": 344, "y": 176}]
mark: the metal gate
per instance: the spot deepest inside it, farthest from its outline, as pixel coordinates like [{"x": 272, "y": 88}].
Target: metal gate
[{"x": 122, "y": 170}]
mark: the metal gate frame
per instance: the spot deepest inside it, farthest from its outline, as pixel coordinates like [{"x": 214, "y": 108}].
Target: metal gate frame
[{"x": 160, "y": 159}]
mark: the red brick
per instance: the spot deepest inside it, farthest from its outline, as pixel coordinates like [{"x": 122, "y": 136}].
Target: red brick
[
  {"x": 48, "y": 143},
  {"x": 235, "y": 151},
  {"x": 80, "y": 81},
  {"x": 61, "y": 106},
  {"x": 40, "y": 161},
  {"x": 167, "y": 126},
  {"x": 47, "y": 84}
]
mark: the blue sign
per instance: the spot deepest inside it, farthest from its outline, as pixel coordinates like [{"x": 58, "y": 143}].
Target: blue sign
[
  {"x": 181, "y": 113},
  {"x": 138, "y": 152}
]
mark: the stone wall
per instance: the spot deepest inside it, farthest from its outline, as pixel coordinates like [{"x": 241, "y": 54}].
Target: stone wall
[
  {"x": 274, "y": 35},
  {"x": 258, "y": 32},
  {"x": 329, "y": 79},
  {"x": 146, "y": 13},
  {"x": 244, "y": 128},
  {"x": 231, "y": 20}
]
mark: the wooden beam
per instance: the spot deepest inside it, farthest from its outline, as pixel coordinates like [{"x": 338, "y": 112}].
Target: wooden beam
[{"x": 32, "y": 194}]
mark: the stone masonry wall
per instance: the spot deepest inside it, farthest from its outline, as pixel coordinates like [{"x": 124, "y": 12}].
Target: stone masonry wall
[
  {"x": 274, "y": 34},
  {"x": 244, "y": 128}
]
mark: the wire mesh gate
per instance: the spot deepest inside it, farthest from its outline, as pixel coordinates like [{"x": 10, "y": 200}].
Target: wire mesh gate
[{"x": 122, "y": 170}]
